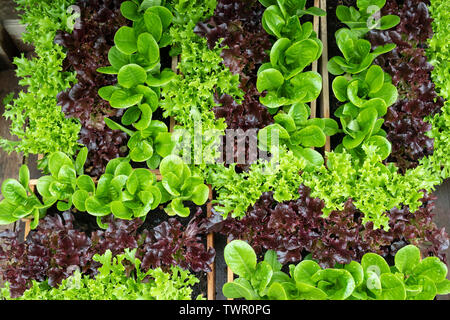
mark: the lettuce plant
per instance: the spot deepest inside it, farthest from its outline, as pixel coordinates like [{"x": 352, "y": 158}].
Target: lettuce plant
[
  {"x": 283, "y": 77},
  {"x": 281, "y": 18},
  {"x": 362, "y": 19},
  {"x": 299, "y": 133},
  {"x": 357, "y": 53},
  {"x": 135, "y": 58},
  {"x": 61, "y": 184},
  {"x": 178, "y": 185},
  {"x": 411, "y": 278},
  {"x": 120, "y": 278},
  {"x": 20, "y": 202},
  {"x": 125, "y": 192},
  {"x": 150, "y": 143}
]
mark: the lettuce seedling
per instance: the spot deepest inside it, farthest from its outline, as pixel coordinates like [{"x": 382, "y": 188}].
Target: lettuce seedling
[
  {"x": 150, "y": 143},
  {"x": 363, "y": 20},
  {"x": 125, "y": 192},
  {"x": 178, "y": 185},
  {"x": 20, "y": 201},
  {"x": 61, "y": 184},
  {"x": 357, "y": 53},
  {"x": 299, "y": 133},
  {"x": 281, "y": 18}
]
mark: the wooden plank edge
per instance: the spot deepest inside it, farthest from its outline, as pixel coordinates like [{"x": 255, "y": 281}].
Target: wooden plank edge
[
  {"x": 325, "y": 96},
  {"x": 315, "y": 64},
  {"x": 211, "y": 276}
]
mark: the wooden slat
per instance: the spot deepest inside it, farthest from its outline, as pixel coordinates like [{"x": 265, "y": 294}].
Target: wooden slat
[
  {"x": 211, "y": 277},
  {"x": 15, "y": 30},
  {"x": 9, "y": 163},
  {"x": 315, "y": 63},
  {"x": 325, "y": 96},
  {"x": 8, "y": 49}
]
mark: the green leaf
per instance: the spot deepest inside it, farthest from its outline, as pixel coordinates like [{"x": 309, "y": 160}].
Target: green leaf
[
  {"x": 286, "y": 121},
  {"x": 6, "y": 210},
  {"x": 122, "y": 99},
  {"x": 107, "y": 70},
  {"x": 312, "y": 136},
  {"x": 125, "y": 40},
  {"x": 149, "y": 3},
  {"x": 81, "y": 160},
  {"x": 14, "y": 192},
  {"x": 240, "y": 258},
  {"x": 24, "y": 176},
  {"x": 443, "y": 287},
  {"x": 131, "y": 75},
  {"x": 130, "y": 10},
  {"x": 146, "y": 117},
  {"x": 331, "y": 127},
  {"x": 79, "y": 199},
  {"x": 356, "y": 271},
  {"x": 269, "y": 79},
  {"x": 389, "y": 21},
  {"x": 164, "y": 78},
  {"x": 341, "y": 283},
  {"x": 432, "y": 268},
  {"x": 304, "y": 271},
  {"x": 373, "y": 282},
  {"x": 309, "y": 292},
  {"x": 392, "y": 287},
  {"x": 340, "y": 85},
  {"x": 120, "y": 211},
  {"x": 153, "y": 24},
  {"x": 177, "y": 207},
  {"x": 313, "y": 157},
  {"x": 240, "y": 288},
  {"x": 163, "y": 13},
  {"x": 148, "y": 47},
  {"x": 300, "y": 55},
  {"x": 375, "y": 263},
  {"x": 307, "y": 86},
  {"x": 164, "y": 144},
  {"x": 106, "y": 92},
  {"x": 300, "y": 113},
  {"x": 375, "y": 78},
  {"x": 56, "y": 161},
  {"x": 96, "y": 207},
  {"x": 388, "y": 93},
  {"x": 383, "y": 145},
  {"x": 429, "y": 289},
  {"x": 131, "y": 115},
  {"x": 277, "y": 292},
  {"x": 273, "y": 21},
  {"x": 271, "y": 258},
  {"x": 172, "y": 164},
  {"x": 276, "y": 54},
  {"x": 262, "y": 277},
  {"x": 200, "y": 195}
]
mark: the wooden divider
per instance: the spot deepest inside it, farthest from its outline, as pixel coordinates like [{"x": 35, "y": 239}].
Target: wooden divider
[{"x": 325, "y": 96}]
